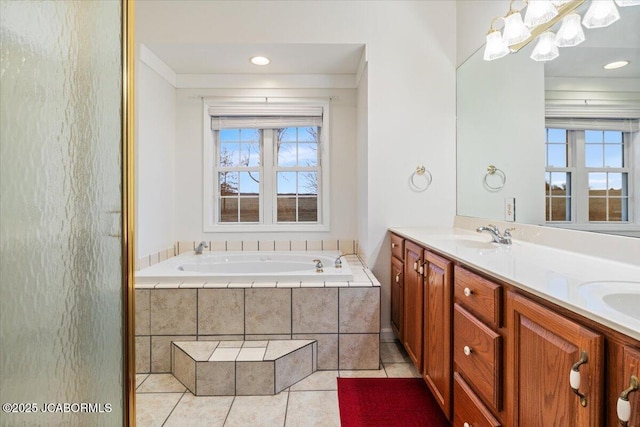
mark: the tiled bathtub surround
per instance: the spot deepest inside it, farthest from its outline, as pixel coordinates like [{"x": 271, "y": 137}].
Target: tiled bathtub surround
[
  {"x": 242, "y": 368},
  {"x": 347, "y": 246},
  {"x": 343, "y": 317}
]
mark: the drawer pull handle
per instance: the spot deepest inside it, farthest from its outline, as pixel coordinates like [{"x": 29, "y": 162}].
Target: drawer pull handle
[
  {"x": 466, "y": 425},
  {"x": 467, "y": 292},
  {"x": 624, "y": 407},
  {"x": 467, "y": 350},
  {"x": 393, "y": 245},
  {"x": 415, "y": 266},
  {"x": 574, "y": 377},
  {"x": 398, "y": 277}
]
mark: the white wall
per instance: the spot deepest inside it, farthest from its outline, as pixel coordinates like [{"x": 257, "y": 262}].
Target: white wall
[
  {"x": 189, "y": 165},
  {"x": 411, "y": 47},
  {"x": 156, "y": 116}
]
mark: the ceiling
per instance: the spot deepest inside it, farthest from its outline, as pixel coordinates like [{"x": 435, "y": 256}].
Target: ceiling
[
  {"x": 619, "y": 41},
  {"x": 285, "y": 58}
]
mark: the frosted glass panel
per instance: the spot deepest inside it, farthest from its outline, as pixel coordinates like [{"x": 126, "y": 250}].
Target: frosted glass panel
[{"x": 60, "y": 304}]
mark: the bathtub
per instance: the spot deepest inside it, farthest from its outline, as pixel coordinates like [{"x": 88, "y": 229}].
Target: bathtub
[{"x": 247, "y": 266}]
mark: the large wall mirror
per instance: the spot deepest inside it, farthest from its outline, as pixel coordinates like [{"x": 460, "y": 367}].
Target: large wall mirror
[{"x": 563, "y": 134}]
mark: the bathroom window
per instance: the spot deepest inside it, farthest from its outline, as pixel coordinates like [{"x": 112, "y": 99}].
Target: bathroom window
[
  {"x": 588, "y": 176},
  {"x": 266, "y": 167}
]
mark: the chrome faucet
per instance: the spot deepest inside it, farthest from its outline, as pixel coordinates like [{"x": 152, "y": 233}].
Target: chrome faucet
[
  {"x": 200, "y": 247},
  {"x": 504, "y": 239},
  {"x": 338, "y": 262},
  {"x": 319, "y": 266}
]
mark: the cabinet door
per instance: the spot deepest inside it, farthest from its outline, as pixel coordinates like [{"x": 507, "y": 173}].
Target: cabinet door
[
  {"x": 397, "y": 296},
  {"x": 437, "y": 329},
  {"x": 543, "y": 348},
  {"x": 413, "y": 299},
  {"x": 630, "y": 366}
]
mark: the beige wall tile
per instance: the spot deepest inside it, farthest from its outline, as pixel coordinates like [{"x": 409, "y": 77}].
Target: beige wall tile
[
  {"x": 173, "y": 311},
  {"x": 330, "y": 245},
  {"x": 218, "y": 246},
  {"x": 268, "y": 311},
  {"x": 327, "y": 349},
  {"x": 293, "y": 367},
  {"x": 234, "y": 245},
  {"x": 142, "y": 262},
  {"x": 283, "y": 245},
  {"x": 220, "y": 337},
  {"x": 215, "y": 378},
  {"x": 314, "y": 245},
  {"x": 143, "y": 354},
  {"x": 161, "y": 351},
  {"x": 346, "y": 246},
  {"x": 266, "y": 245},
  {"x": 315, "y": 310},
  {"x": 267, "y": 337},
  {"x": 221, "y": 311},
  {"x": 359, "y": 351},
  {"x": 298, "y": 245},
  {"x": 186, "y": 246},
  {"x": 249, "y": 245},
  {"x": 254, "y": 378},
  {"x": 162, "y": 255},
  {"x": 153, "y": 259},
  {"x": 142, "y": 301},
  {"x": 359, "y": 310}
]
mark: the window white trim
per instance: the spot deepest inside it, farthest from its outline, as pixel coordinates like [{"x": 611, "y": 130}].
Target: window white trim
[{"x": 309, "y": 107}]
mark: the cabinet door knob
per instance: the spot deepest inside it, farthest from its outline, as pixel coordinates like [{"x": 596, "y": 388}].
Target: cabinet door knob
[
  {"x": 393, "y": 245},
  {"x": 467, "y": 350},
  {"x": 623, "y": 407},
  {"x": 398, "y": 278},
  {"x": 415, "y": 266},
  {"x": 574, "y": 377},
  {"x": 467, "y": 292}
]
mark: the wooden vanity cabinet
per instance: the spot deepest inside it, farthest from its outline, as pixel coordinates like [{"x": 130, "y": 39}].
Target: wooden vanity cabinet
[
  {"x": 619, "y": 376},
  {"x": 438, "y": 293},
  {"x": 413, "y": 302},
  {"x": 397, "y": 297},
  {"x": 543, "y": 348}
]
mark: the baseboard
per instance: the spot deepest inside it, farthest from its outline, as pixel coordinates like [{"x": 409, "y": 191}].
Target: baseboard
[{"x": 386, "y": 334}]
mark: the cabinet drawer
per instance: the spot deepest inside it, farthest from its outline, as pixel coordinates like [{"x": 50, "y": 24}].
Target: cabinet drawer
[
  {"x": 468, "y": 409},
  {"x": 480, "y": 296},
  {"x": 476, "y": 352},
  {"x": 397, "y": 247}
]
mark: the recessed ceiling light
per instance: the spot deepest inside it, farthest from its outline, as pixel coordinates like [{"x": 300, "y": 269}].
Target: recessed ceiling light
[
  {"x": 260, "y": 60},
  {"x": 614, "y": 65}
]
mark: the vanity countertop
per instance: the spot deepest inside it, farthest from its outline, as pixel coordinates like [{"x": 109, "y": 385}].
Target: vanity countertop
[{"x": 566, "y": 278}]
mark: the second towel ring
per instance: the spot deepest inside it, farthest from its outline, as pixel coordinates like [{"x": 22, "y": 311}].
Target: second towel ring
[
  {"x": 420, "y": 171},
  {"x": 492, "y": 170}
]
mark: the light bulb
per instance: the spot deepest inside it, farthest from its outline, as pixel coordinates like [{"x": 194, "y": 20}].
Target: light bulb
[
  {"x": 570, "y": 33},
  {"x": 495, "y": 47},
  {"x": 546, "y": 49},
  {"x": 514, "y": 29},
  {"x": 601, "y": 13}
]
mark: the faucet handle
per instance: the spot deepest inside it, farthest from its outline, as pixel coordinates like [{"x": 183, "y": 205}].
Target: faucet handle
[{"x": 507, "y": 231}]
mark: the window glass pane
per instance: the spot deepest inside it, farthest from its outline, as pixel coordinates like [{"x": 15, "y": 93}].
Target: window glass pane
[
  {"x": 593, "y": 136},
  {"x": 228, "y": 209},
  {"x": 559, "y": 183},
  {"x": 249, "y": 183},
  {"x": 557, "y": 155},
  {"x": 287, "y": 154},
  {"x": 308, "y": 183},
  {"x": 548, "y": 208},
  {"x": 308, "y": 134},
  {"x": 286, "y": 210},
  {"x": 286, "y": 134},
  {"x": 286, "y": 183},
  {"x": 229, "y": 154},
  {"x": 557, "y": 136},
  {"x": 251, "y": 154},
  {"x": 615, "y": 209},
  {"x": 307, "y": 209},
  {"x": 559, "y": 209},
  {"x": 613, "y": 155},
  {"x": 249, "y": 209},
  {"x": 308, "y": 154},
  {"x": 593, "y": 156},
  {"x": 230, "y": 135},
  {"x": 597, "y": 209},
  {"x": 250, "y": 135},
  {"x": 612, "y": 137},
  {"x": 228, "y": 183},
  {"x": 597, "y": 184}
]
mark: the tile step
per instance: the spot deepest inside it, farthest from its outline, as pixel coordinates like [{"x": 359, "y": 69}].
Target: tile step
[{"x": 242, "y": 368}]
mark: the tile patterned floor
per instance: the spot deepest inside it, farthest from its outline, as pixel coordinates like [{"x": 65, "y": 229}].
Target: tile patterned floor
[{"x": 163, "y": 401}]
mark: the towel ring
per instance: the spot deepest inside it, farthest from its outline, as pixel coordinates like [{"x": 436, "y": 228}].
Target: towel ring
[
  {"x": 492, "y": 170},
  {"x": 420, "y": 171}
]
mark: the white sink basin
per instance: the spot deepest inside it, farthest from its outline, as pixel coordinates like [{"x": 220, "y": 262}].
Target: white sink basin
[{"x": 622, "y": 297}]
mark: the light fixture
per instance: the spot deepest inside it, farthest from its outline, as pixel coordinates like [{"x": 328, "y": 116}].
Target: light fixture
[
  {"x": 601, "y": 13},
  {"x": 616, "y": 64},
  {"x": 260, "y": 60},
  {"x": 541, "y": 16},
  {"x": 570, "y": 33},
  {"x": 546, "y": 49},
  {"x": 539, "y": 12}
]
